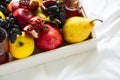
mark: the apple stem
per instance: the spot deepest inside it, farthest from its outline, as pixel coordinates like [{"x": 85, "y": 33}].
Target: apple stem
[
  {"x": 96, "y": 20},
  {"x": 20, "y": 43}
]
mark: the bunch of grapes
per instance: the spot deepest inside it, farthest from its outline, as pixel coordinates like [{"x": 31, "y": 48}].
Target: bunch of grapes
[
  {"x": 56, "y": 12},
  {"x": 11, "y": 27},
  {"x": 3, "y": 6},
  {"x": 9, "y": 23}
]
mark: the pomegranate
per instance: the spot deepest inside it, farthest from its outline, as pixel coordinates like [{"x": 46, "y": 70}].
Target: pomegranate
[{"x": 50, "y": 37}]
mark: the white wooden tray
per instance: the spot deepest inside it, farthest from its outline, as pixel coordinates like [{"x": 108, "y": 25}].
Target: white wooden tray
[{"x": 48, "y": 56}]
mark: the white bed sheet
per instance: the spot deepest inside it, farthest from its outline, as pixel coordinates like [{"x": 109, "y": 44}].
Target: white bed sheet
[{"x": 100, "y": 64}]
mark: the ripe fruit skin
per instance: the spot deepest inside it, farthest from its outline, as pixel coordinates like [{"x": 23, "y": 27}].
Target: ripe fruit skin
[
  {"x": 22, "y": 16},
  {"x": 2, "y": 15},
  {"x": 22, "y": 47},
  {"x": 12, "y": 6},
  {"x": 50, "y": 38},
  {"x": 77, "y": 29}
]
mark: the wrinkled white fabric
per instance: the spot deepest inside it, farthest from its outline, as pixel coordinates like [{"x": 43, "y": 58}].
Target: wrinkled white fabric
[{"x": 100, "y": 64}]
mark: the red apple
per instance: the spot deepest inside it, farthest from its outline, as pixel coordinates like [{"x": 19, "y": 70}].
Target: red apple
[
  {"x": 22, "y": 16},
  {"x": 12, "y": 6},
  {"x": 50, "y": 38}
]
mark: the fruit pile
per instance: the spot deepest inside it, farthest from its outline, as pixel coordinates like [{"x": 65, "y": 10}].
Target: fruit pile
[{"x": 44, "y": 24}]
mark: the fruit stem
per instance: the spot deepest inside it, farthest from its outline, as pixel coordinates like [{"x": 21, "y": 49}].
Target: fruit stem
[
  {"x": 96, "y": 20},
  {"x": 20, "y": 43},
  {"x": 45, "y": 27}
]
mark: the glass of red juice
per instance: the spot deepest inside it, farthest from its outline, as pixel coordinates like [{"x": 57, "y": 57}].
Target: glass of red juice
[
  {"x": 4, "y": 56},
  {"x": 72, "y": 8}
]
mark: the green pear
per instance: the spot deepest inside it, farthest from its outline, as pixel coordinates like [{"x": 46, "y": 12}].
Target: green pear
[{"x": 77, "y": 29}]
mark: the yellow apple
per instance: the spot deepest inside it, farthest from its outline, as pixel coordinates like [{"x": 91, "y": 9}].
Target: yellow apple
[{"x": 22, "y": 47}]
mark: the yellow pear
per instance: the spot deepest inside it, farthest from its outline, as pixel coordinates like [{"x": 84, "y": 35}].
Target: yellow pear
[
  {"x": 77, "y": 29},
  {"x": 22, "y": 47}
]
